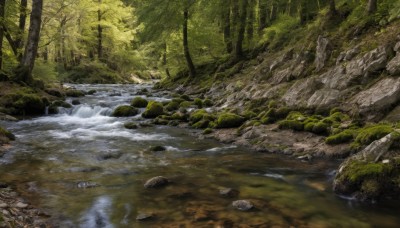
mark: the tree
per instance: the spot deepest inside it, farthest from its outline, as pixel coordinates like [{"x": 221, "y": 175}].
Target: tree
[
  {"x": 332, "y": 7},
  {"x": 226, "y": 22},
  {"x": 28, "y": 60},
  {"x": 189, "y": 62},
  {"x": 241, "y": 30},
  {"x": 372, "y": 6},
  {"x": 2, "y": 13}
]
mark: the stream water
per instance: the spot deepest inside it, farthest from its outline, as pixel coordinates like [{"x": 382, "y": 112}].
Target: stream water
[{"x": 89, "y": 171}]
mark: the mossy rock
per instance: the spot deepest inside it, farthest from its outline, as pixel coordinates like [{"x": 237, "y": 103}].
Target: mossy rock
[
  {"x": 74, "y": 93},
  {"x": 6, "y": 134},
  {"x": 53, "y": 108},
  {"x": 207, "y": 103},
  {"x": 291, "y": 124},
  {"x": 173, "y": 123},
  {"x": 157, "y": 148},
  {"x": 185, "y": 97},
  {"x": 185, "y": 104},
  {"x": 229, "y": 120},
  {"x": 208, "y": 131},
  {"x": 55, "y": 92},
  {"x": 131, "y": 125},
  {"x": 91, "y": 92},
  {"x": 178, "y": 100},
  {"x": 198, "y": 115},
  {"x": 369, "y": 134},
  {"x": 29, "y": 104},
  {"x": 204, "y": 123},
  {"x": 160, "y": 121},
  {"x": 172, "y": 106},
  {"x": 319, "y": 128},
  {"x": 76, "y": 102},
  {"x": 342, "y": 137},
  {"x": 139, "y": 102},
  {"x": 198, "y": 102},
  {"x": 153, "y": 110},
  {"x": 125, "y": 111},
  {"x": 179, "y": 116},
  {"x": 249, "y": 114}
]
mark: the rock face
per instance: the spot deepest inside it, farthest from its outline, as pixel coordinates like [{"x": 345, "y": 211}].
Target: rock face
[
  {"x": 156, "y": 182},
  {"x": 393, "y": 66},
  {"x": 323, "y": 52},
  {"x": 380, "y": 96},
  {"x": 300, "y": 92},
  {"x": 365, "y": 177}
]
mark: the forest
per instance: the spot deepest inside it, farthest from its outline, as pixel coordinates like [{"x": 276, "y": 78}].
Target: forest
[{"x": 199, "y": 113}]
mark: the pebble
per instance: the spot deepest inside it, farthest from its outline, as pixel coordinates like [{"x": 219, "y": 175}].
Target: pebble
[
  {"x": 21, "y": 205},
  {"x": 144, "y": 217},
  {"x": 229, "y": 192},
  {"x": 242, "y": 205},
  {"x": 156, "y": 182},
  {"x": 3, "y": 205}
]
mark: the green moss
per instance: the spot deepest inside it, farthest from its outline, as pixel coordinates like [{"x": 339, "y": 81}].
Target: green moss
[
  {"x": 53, "y": 108},
  {"x": 139, "y": 102},
  {"x": 371, "y": 133},
  {"x": 198, "y": 102},
  {"x": 341, "y": 137},
  {"x": 178, "y": 100},
  {"x": 172, "y": 106},
  {"x": 198, "y": 115},
  {"x": 179, "y": 116},
  {"x": 7, "y": 134},
  {"x": 291, "y": 124},
  {"x": 29, "y": 104},
  {"x": 153, "y": 110},
  {"x": 131, "y": 125},
  {"x": 185, "y": 97},
  {"x": 229, "y": 120},
  {"x": 207, "y": 103},
  {"x": 125, "y": 111},
  {"x": 272, "y": 104},
  {"x": 160, "y": 121},
  {"x": 74, "y": 93},
  {"x": 201, "y": 124},
  {"x": 358, "y": 171},
  {"x": 186, "y": 104},
  {"x": 207, "y": 131},
  {"x": 249, "y": 114},
  {"x": 371, "y": 188},
  {"x": 319, "y": 127}
]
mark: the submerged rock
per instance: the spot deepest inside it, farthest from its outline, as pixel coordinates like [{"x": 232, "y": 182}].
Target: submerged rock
[
  {"x": 125, "y": 111},
  {"x": 228, "y": 192},
  {"x": 145, "y": 216},
  {"x": 242, "y": 205},
  {"x": 86, "y": 184},
  {"x": 158, "y": 148},
  {"x": 156, "y": 182}
]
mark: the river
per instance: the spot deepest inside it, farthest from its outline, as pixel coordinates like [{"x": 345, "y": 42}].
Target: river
[{"x": 88, "y": 170}]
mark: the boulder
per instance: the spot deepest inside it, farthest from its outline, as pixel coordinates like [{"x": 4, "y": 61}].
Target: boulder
[
  {"x": 153, "y": 110},
  {"x": 156, "y": 182},
  {"x": 393, "y": 67},
  {"x": 145, "y": 217},
  {"x": 323, "y": 52},
  {"x": 381, "y": 96},
  {"x": 324, "y": 99},
  {"x": 229, "y": 120},
  {"x": 348, "y": 55},
  {"x": 300, "y": 92},
  {"x": 125, "y": 111},
  {"x": 139, "y": 102},
  {"x": 228, "y": 192},
  {"x": 242, "y": 205}
]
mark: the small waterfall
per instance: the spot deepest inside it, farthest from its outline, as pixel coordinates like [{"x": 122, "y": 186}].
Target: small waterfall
[{"x": 88, "y": 111}]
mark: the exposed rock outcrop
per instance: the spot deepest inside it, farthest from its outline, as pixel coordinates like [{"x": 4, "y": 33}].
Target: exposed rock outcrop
[{"x": 323, "y": 52}]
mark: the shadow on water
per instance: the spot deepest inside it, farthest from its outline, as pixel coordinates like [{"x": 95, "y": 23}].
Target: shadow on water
[{"x": 89, "y": 170}]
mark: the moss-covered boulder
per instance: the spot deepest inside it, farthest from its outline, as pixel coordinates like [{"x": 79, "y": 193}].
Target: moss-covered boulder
[
  {"x": 29, "y": 104},
  {"x": 172, "y": 106},
  {"x": 131, "y": 125},
  {"x": 153, "y": 110},
  {"x": 55, "y": 92},
  {"x": 53, "y": 107},
  {"x": 139, "y": 102},
  {"x": 5, "y": 136},
  {"x": 125, "y": 111},
  {"x": 342, "y": 137},
  {"x": 229, "y": 120},
  {"x": 74, "y": 93},
  {"x": 198, "y": 102},
  {"x": 185, "y": 104}
]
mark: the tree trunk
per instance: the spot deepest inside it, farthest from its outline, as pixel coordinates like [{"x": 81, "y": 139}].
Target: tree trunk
[
  {"x": 263, "y": 15},
  {"x": 235, "y": 19},
  {"x": 372, "y": 6},
  {"x": 226, "y": 11},
  {"x": 164, "y": 61},
  {"x": 2, "y": 12},
  {"x": 19, "y": 41},
  {"x": 189, "y": 62},
  {"x": 99, "y": 34},
  {"x": 250, "y": 21},
  {"x": 31, "y": 48},
  {"x": 240, "y": 32},
  {"x": 274, "y": 11},
  {"x": 332, "y": 7}
]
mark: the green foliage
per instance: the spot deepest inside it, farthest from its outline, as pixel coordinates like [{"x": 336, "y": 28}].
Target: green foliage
[
  {"x": 229, "y": 120},
  {"x": 92, "y": 72},
  {"x": 207, "y": 131},
  {"x": 45, "y": 71},
  {"x": 139, "y": 102},
  {"x": 153, "y": 110},
  {"x": 125, "y": 111},
  {"x": 279, "y": 31}
]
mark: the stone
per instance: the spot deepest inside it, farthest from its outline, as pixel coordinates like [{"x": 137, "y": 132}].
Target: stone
[
  {"x": 76, "y": 102},
  {"x": 3, "y": 185},
  {"x": 393, "y": 67},
  {"x": 6, "y": 117},
  {"x": 242, "y": 205},
  {"x": 324, "y": 99},
  {"x": 3, "y": 205},
  {"x": 145, "y": 217},
  {"x": 381, "y": 96},
  {"x": 298, "y": 94},
  {"x": 386, "y": 161},
  {"x": 156, "y": 182},
  {"x": 21, "y": 205},
  {"x": 323, "y": 52},
  {"x": 86, "y": 184},
  {"x": 228, "y": 192}
]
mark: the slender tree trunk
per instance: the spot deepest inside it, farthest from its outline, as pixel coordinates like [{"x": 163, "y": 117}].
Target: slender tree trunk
[
  {"x": 31, "y": 48},
  {"x": 189, "y": 62},
  {"x": 332, "y": 7},
  {"x": 274, "y": 11},
  {"x": 372, "y": 6},
  {"x": 19, "y": 41},
  {"x": 303, "y": 12},
  {"x": 263, "y": 15},
  {"x": 100, "y": 34},
  {"x": 62, "y": 33},
  {"x": 226, "y": 11},
  {"x": 2, "y": 12},
  {"x": 241, "y": 31},
  {"x": 235, "y": 18},
  {"x": 250, "y": 21},
  {"x": 164, "y": 62},
  {"x": 46, "y": 54}
]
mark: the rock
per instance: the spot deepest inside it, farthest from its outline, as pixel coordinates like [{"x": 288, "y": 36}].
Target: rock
[
  {"x": 86, "y": 184},
  {"x": 386, "y": 161},
  {"x": 131, "y": 125},
  {"x": 229, "y": 120},
  {"x": 158, "y": 148},
  {"x": 139, "y": 102},
  {"x": 3, "y": 185},
  {"x": 6, "y": 117},
  {"x": 3, "y": 205},
  {"x": 125, "y": 111},
  {"x": 108, "y": 156},
  {"x": 156, "y": 182},
  {"x": 324, "y": 99},
  {"x": 76, "y": 102},
  {"x": 21, "y": 205},
  {"x": 242, "y": 205},
  {"x": 91, "y": 92},
  {"x": 348, "y": 55},
  {"x": 145, "y": 217},
  {"x": 229, "y": 192},
  {"x": 371, "y": 63},
  {"x": 300, "y": 92},
  {"x": 381, "y": 96},
  {"x": 323, "y": 52},
  {"x": 393, "y": 67},
  {"x": 55, "y": 92},
  {"x": 306, "y": 157},
  {"x": 153, "y": 110},
  {"x": 74, "y": 93}
]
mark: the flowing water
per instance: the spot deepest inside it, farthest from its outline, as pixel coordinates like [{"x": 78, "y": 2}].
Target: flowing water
[{"x": 89, "y": 171}]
